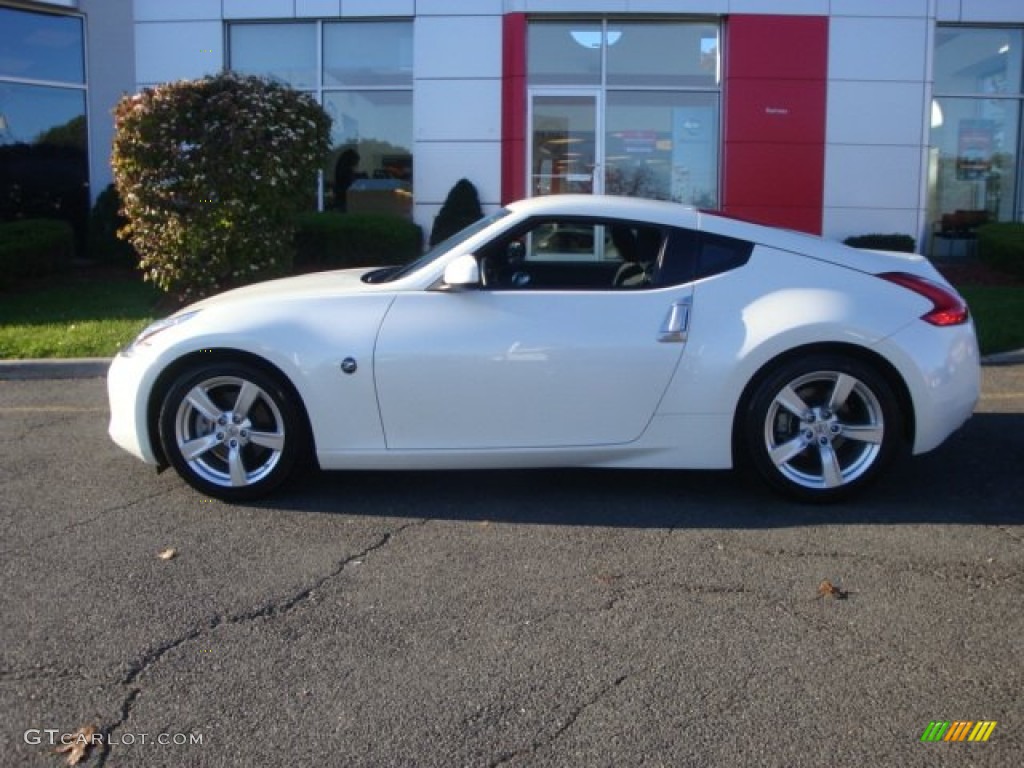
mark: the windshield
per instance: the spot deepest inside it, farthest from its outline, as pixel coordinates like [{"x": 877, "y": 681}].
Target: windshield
[{"x": 443, "y": 247}]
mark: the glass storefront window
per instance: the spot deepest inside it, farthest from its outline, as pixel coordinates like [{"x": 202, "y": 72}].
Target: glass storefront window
[
  {"x": 650, "y": 54},
  {"x": 44, "y": 155},
  {"x": 282, "y": 52},
  {"x": 625, "y": 107},
  {"x": 974, "y": 173},
  {"x": 371, "y": 160},
  {"x": 364, "y": 82},
  {"x": 40, "y": 116},
  {"x": 975, "y": 146},
  {"x": 39, "y": 46},
  {"x": 663, "y": 146},
  {"x": 367, "y": 53},
  {"x": 564, "y": 53},
  {"x": 972, "y": 60}
]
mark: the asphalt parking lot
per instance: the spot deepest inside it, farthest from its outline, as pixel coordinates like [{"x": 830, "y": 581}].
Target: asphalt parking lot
[{"x": 555, "y": 618}]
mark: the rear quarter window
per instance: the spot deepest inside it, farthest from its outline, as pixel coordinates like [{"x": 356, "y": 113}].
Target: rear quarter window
[
  {"x": 691, "y": 255},
  {"x": 720, "y": 254}
]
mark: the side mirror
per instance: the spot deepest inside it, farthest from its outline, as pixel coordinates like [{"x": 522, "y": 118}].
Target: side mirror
[{"x": 462, "y": 273}]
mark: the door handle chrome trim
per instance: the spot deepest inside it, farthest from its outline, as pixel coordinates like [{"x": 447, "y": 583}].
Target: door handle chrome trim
[{"x": 677, "y": 322}]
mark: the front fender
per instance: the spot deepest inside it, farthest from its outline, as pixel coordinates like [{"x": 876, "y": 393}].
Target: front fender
[{"x": 306, "y": 341}]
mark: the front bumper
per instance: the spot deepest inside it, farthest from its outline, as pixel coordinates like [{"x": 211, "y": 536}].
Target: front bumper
[{"x": 128, "y": 386}]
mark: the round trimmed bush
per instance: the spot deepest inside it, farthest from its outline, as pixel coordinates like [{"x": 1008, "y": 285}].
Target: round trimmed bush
[{"x": 212, "y": 173}]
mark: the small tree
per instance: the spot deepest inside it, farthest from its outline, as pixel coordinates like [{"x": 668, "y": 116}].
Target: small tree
[
  {"x": 211, "y": 174},
  {"x": 461, "y": 208}
]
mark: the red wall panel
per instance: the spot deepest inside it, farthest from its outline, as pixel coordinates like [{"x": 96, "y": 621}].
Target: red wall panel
[
  {"x": 777, "y": 47},
  {"x": 775, "y": 175},
  {"x": 776, "y": 70},
  {"x": 513, "y": 108},
  {"x": 776, "y": 111}
]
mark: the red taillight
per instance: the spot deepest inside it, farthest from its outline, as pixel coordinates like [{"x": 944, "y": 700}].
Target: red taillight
[{"x": 948, "y": 308}]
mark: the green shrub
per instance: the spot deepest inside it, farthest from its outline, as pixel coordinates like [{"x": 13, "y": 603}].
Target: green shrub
[
  {"x": 212, "y": 173},
  {"x": 877, "y": 242},
  {"x": 461, "y": 208},
  {"x": 34, "y": 248},
  {"x": 105, "y": 221},
  {"x": 1001, "y": 246},
  {"x": 342, "y": 240}
]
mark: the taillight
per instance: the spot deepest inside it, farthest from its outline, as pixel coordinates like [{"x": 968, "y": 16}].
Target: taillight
[{"x": 948, "y": 308}]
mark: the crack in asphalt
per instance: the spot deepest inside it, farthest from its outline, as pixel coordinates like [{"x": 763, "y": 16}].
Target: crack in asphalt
[
  {"x": 574, "y": 715},
  {"x": 71, "y": 527},
  {"x": 107, "y": 731},
  {"x": 269, "y": 610},
  {"x": 1006, "y": 529}
]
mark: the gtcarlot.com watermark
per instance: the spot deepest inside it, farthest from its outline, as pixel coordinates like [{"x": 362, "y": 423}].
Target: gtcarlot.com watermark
[{"x": 54, "y": 737}]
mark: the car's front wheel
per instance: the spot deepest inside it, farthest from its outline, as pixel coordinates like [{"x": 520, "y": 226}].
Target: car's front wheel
[
  {"x": 231, "y": 430},
  {"x": 820, "y": 428}
]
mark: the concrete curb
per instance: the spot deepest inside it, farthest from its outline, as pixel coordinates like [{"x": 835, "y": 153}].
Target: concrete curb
[
  {"x": 96, "y": 367},
  {"x": 64, "y": 368},
  {"x": 1004, "y": 358}
]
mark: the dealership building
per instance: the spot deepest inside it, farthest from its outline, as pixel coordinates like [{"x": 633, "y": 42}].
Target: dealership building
[{"x": 839, "y": 117}]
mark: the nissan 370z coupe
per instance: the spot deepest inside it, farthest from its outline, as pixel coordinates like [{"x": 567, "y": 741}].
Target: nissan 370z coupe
[{"x": 581, "y": 331}]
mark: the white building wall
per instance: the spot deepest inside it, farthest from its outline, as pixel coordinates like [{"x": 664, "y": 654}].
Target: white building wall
[
  {"x": 879, "y": 84},
  {"x": 111, "y": 71},
  {"x": 879, "y": 88},
  {"x": 456, "y": 105},
  {"x": 879, "y": 107},
  {"x": 179, "y": 40}
]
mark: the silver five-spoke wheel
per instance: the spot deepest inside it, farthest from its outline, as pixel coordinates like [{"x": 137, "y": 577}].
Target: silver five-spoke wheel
[
  {"x": 821, "y": 427},
  {"x": 230, "y": 430}
]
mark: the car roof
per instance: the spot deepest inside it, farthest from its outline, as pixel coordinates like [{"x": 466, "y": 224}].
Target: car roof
[
  {"x": 676, "y": 214},
  {"x": 661, "y": 212},
  {"x": 658, "y": 211}
]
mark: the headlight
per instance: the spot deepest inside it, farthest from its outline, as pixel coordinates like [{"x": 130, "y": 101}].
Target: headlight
[{"x": 151, "y": 330}]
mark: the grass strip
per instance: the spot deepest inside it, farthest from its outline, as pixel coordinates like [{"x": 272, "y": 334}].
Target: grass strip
[{"x": 75, "y": 317}]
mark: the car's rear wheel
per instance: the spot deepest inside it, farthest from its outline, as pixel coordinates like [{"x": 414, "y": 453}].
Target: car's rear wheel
[
  {"x": 231, "y": 430},
  {"x": 822, "y": 427}
]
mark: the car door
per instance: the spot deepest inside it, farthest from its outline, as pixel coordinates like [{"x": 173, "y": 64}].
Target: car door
[{"x": 527, "y": 365}]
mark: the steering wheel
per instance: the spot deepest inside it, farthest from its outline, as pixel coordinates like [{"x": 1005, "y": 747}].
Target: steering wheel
[{"x": 632, "y": 274}]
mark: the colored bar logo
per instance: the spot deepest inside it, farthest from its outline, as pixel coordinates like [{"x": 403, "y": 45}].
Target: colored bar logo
[{"x": 958, "y": 730}]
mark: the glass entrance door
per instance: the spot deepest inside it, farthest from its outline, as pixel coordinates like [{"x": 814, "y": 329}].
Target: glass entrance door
[
  {"x": 565, "y": 143},
  {"x": 659, "y": 145}
]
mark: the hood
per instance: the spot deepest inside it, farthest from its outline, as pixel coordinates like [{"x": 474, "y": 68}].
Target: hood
[{"x": 311, "y": 286}]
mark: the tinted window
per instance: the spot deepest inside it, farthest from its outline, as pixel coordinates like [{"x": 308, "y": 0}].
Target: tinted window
[
  {"x": 37, "y": 46},
  {"x": 44, "y": 165},
  {"x": 679, "y": 264},
  {"x": 282, "y": 52},
  {"x": 720, "y": 254},
  {"x": 573, "y": 253},
  {"x": 690, "y": 255},
  {"x": 367, "y": 53}
]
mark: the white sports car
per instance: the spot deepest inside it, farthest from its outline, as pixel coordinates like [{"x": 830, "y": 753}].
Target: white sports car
[{"x": 563, "y": 331}]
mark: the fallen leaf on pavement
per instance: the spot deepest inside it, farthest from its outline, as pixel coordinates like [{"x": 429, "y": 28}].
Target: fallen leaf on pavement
[
  {"x": 76, "y": 747},
  {"x": 828, "y": 589},
  {"x": 168, "y": 554}
]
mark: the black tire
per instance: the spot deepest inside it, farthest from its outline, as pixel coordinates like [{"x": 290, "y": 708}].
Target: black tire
[
  {"x": 231, "y": 430},
  {"x": 821, "y": 428}
]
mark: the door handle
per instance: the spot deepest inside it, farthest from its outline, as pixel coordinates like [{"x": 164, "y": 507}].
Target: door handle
[{"x": 677, "y": 322}]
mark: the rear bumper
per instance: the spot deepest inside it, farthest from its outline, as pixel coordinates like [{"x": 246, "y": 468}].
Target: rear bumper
[{"x": 943, "y": 376}]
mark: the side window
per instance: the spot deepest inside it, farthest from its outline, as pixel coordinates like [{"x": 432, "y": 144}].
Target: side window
[
  {"x": 573, "y": 253},
  {"x": 720, "y": 254},
  {"x": 679, "y": 264},
  {"x": 691, "y": 255}
]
